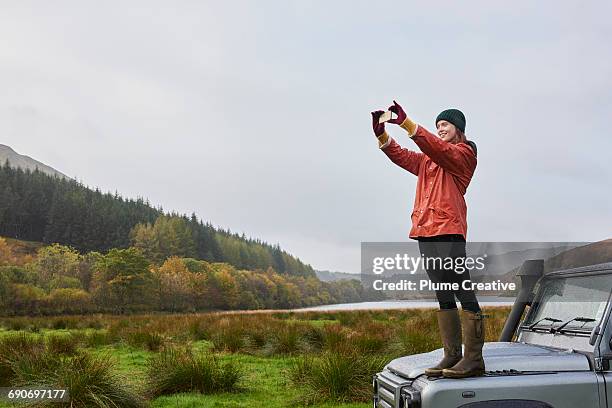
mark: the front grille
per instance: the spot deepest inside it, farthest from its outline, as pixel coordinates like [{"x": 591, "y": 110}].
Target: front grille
[{"x": 387, "y": 388}]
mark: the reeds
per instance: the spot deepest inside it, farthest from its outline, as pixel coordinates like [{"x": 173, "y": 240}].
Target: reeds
[
  {"x": 334, "y": 353},
  {"x": 335, "y": 377},
  {"x": 91, "y": 381},
  {"x": 29, "y": 360},
  {"x": 176, "y": 370},
  {"x": 63, "y": 343}
]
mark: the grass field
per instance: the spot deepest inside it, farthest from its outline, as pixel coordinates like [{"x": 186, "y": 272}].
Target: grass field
[{"x": 321, "y": 359}]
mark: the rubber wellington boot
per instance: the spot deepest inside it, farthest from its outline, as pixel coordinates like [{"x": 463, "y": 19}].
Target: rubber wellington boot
[
  {"x": 450, "y": 332},
  {"x": 472, "y": 363}
]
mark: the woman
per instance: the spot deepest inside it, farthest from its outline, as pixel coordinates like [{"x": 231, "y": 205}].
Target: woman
[{"x": 439, "y": 222}]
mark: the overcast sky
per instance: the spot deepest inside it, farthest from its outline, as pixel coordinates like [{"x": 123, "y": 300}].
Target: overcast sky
[{"x": 256, "y": 115}]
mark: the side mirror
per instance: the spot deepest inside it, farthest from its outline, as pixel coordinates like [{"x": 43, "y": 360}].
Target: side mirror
[{"x": 594, "y": 334}]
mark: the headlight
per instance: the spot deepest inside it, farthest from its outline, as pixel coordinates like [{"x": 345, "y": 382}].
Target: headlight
[
  {"x": 375, "y": 389},
  {"x": 411, "y": 398}
]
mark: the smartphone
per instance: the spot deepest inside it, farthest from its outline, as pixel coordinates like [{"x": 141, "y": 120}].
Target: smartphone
[{"x": 385, "y": 117}]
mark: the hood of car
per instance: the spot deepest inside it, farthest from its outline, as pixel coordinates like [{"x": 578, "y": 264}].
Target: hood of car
[{"x": 499, "y": 356}]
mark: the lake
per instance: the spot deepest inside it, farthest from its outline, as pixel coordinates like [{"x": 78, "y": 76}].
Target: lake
[{"x": 404, "y": 304}]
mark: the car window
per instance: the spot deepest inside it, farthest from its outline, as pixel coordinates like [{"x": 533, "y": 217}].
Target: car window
[{"x": 572, "y": 297}]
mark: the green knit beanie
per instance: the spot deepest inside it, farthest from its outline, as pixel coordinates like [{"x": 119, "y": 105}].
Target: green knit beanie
[{"x": 454, "y": 116}]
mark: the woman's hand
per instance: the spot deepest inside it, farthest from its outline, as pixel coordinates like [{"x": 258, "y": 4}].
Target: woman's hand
[
  {"x": 402, "y": 119},
  {"x": 399, "y": 111},
  {"x": 379, "y": 128}
]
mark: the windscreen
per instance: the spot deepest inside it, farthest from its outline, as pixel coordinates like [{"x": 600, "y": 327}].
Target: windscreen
[{"x": 583, "y": 297}]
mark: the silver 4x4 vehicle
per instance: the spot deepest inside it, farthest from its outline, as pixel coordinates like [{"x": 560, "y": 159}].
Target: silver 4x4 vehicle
[{"x": 558, "y": 355}]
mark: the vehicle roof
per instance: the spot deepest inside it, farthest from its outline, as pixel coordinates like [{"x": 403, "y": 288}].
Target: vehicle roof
[{"x": 598, "y": 268}]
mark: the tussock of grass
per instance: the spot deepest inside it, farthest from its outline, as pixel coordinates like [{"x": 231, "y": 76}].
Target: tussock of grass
[
  {"x": 413, "y": 342},
  {"x": 29, "y": 360},
  {"x": 99, "y": 338},
  {"x": 145, "y": 339},
  {"x": 177, "y": 370},
  {"x": 13, "y": 347},
  {"x": 198, "y": 331},
  {"x": 314, "y": 339},
  {"x": 335, "y": 377},
  {"x": 91, "y": 382},
  {"x": 21, "y": 342},
  {"x": 231, "y": 338},
  {"x": 369, "y": 343},
  {"x": 256, "y": 339},
  {"x": 287, "y": 340},
  {"x": 335, "y": 337},
  {"x": 26, "y": 369},
  {"x": 65, "y": 343}
]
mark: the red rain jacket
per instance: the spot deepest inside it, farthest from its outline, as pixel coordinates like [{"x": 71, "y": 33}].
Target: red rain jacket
[{"x": 444, "y": 171}]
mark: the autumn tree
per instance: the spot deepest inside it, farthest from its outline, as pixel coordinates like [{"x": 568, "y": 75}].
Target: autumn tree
[
  {"x": 56, "y": 264},
  {"x": 87, "y": 267},
  {"x": 123, "y": 281},
  {"x": 168, "y": 236},
  {"x": 6, "y": 255},
  {"x": 69, "y": 300},
  {"x": 174, "y": 289}
]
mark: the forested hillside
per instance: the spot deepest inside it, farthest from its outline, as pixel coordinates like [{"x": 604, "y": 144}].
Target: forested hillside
[
  {"x": 38, "y": 207},
  {"x": 56, "y": 279}
]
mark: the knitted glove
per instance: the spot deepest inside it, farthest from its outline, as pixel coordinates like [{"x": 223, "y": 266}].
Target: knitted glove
[
  {"x": 379, "y": 128},
  {"x": 402, "y": 119}
]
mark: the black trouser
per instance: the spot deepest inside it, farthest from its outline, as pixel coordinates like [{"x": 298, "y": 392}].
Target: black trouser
[{"x": 444, "y": 247}]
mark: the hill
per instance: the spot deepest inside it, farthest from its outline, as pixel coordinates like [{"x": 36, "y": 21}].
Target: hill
[
  {"x": 329, "y": 276},
  {"x": 38, "y": 207},
  {"x": 590, "y": 254},
  {"x": 595, "y": 253},
  {"x": 501, "y": 263},
  {"x": 17, "y": 160}
]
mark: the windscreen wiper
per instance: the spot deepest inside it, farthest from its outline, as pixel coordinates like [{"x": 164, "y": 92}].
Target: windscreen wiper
[
  {"x": 548, "y": 319},
  {"x": 575, "y": 319}
]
